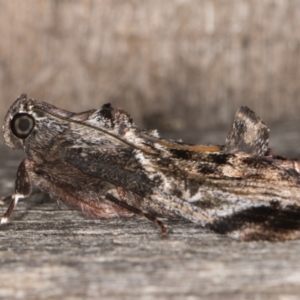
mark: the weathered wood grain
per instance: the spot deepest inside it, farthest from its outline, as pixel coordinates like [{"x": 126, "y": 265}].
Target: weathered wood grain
[{"x": 47, "y": 252}]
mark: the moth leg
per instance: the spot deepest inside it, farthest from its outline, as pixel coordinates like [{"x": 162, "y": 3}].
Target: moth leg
[
  {"x": 138, "y": 212},
  {"x": 5, "y": 200},
  {"x": 22, "y": 189},
  {"x": 8, "y": 199}
]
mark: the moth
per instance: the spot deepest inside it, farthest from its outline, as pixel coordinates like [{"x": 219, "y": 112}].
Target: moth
[{"x": 102, "y": 164}]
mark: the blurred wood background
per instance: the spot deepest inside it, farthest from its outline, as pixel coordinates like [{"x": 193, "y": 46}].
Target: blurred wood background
[{"x": 174, "y": 65}]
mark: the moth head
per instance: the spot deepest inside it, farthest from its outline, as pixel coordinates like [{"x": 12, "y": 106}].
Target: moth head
[
  {"x": 19, "y": 123},
  {"x": 33, "y": 125}
]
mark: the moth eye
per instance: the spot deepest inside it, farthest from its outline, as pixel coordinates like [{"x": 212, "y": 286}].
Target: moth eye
[{"x": 22, "y": 125}]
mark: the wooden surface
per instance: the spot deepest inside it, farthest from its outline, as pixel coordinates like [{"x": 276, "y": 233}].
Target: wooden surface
[{"x": 48, "y": 252}]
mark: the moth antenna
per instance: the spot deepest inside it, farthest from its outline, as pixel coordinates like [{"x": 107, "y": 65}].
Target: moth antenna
[{"x": 139, "y": 212}]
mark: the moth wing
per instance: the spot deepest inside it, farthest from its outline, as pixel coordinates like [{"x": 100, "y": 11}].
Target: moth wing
[
  {"x": 248, "y": 134},
  {"x": 273, "y": 223},
  {"x": 116, "y": 166}
]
